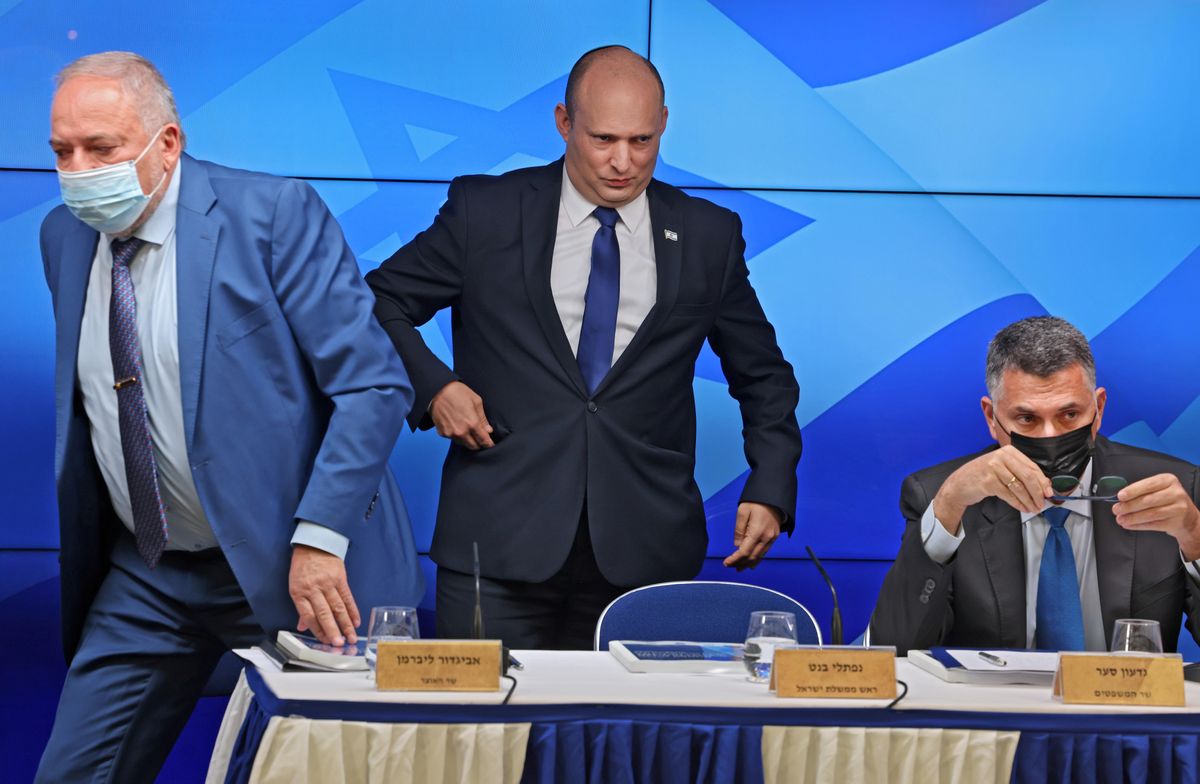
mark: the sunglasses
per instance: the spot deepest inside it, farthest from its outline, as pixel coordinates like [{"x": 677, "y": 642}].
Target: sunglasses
[{"x": 1105, "y": 489}]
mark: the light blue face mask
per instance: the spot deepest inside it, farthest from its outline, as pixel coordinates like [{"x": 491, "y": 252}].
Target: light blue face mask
[{"x": 108, "y": 198}]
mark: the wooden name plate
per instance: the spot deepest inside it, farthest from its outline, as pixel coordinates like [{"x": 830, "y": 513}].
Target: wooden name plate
[
  {"x": 438, "y": 665},
  {"x": 1125, "y": 679},
  {"x": 848, "y": 672}
]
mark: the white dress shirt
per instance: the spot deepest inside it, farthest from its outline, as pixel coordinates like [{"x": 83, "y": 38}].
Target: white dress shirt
[
  {"x": 153, "y": 271},
  {"x": 941, "y": 546},
  {"x": 572, "y": 264}
]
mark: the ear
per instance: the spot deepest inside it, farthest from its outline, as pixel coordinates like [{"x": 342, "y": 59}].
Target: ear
[
  {"x": 989, "y": 416},
  {"x": 663, "y": 128},
  {"x": 1101, "y": 399},
  {"x": 562, "y": 121},
  {"x": 170, "y": 141}
]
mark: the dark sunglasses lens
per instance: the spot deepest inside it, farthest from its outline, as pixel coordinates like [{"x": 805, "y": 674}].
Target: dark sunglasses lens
[
  {"x": 1064, "y": 484},
  {"x": 1110, "y": 485}
]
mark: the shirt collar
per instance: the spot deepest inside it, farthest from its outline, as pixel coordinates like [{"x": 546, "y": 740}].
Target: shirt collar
[
  {"x": 1082, "y": 508},
  {"x": 579, "y": 209},
  {"x": 158, "y": 227}
]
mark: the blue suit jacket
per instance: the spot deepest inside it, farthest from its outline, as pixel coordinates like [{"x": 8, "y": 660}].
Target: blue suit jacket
[{"x": 292, "y": 394}]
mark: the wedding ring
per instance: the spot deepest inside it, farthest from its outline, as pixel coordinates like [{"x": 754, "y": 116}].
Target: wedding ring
[{"x": 1010, "y": 482}]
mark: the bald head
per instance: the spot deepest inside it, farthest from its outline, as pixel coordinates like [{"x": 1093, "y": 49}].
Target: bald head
[{"x": 611, "y": 63}]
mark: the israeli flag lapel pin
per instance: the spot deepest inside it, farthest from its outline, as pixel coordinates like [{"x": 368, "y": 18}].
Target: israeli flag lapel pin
[{"x": 672, "y": 236}]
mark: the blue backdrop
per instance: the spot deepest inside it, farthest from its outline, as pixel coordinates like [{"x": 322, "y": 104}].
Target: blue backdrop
[{"x": 912, "y": 174}]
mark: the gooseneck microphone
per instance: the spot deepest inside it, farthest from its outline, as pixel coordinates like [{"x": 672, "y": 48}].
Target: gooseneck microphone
[
  {"x": 477, "y": 624},
  {"x": 835, "y": 622}
]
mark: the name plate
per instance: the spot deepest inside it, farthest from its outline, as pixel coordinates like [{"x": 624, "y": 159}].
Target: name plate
[
  {"x": 1103, "y": 679},
  {"x": 846, "y": 672},
  {"x": 438, "y": 665}
]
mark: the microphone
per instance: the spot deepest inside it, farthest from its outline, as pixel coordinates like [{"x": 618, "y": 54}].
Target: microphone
[
  {"x": 835, "y": 622},
  {"x": 477, "y": 624},
  {"x": 506, "y": 659}
]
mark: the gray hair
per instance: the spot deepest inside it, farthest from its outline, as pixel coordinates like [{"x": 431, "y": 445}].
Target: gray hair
[
  {"x": 140, "y": 81},
  {"x": 1040, "y": 346}
]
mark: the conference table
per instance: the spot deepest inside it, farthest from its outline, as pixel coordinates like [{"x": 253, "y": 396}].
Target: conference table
[{"x": 580, "y": 716}]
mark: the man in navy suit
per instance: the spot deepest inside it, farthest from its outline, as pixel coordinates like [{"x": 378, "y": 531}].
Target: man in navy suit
[
  {"x": 226, "y": 404},
  {"x": 581, "y": 294}
]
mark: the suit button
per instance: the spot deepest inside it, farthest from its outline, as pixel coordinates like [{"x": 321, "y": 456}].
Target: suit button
[
  {"x": 924, "y": 598},
  {"x": 592, "y": 407},
  {"x": 929, "y": 586}
]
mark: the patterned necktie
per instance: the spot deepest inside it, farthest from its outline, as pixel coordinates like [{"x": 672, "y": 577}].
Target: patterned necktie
[
  {"x": 1059, "y": 614},
  {"x": 141, "y": 473},
  {"x": 599, "y": 330}
]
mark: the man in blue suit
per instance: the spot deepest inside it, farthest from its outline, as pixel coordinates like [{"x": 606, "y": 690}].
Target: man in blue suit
[{"x": 226, "y": 404}]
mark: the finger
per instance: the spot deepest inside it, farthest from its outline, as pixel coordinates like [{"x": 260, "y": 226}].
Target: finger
[
  {"x": 482, "y": 435},
  {"x": 305, "y": 611},
  {"x": 466, "y": 440},
  {"x": 1032, "y": 481},
  {"x": 1153, "y": 500},
  {"x": 1019, "y": 494},
  {"x": 1009, "y": 497},
  {"x": 348, "y": 599},
  {"x": 326, "y": 626},
  {"x": 735, "y": 558},
  {"x": 1030, "y": 474},
  {"x": 1146, "y": 486},
  {"x": 341, "y": 615},
  {"x": 740, "y": 524},
  {"x": 760, "y": 549},
  {"x": 1009, "y": 488}
]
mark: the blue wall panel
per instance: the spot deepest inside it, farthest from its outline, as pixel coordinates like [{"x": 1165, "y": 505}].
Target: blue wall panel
[{"x": 796, "y": 115}]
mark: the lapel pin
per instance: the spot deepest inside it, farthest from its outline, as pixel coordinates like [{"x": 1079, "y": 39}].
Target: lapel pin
[{"x": 672, "y": 236}]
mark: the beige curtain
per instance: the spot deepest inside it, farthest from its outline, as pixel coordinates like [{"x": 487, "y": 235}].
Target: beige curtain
[{"x": 840, "y": 755}]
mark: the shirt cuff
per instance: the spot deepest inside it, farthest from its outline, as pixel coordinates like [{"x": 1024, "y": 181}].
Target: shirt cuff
[
  {"x": 940, "y": 544},
  {"x": 322, "y": 538}
]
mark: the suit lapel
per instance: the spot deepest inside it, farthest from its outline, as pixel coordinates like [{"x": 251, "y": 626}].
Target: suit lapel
[
  {"x": 195, "y": 255},
  {"x": 665, "y": 217},
  {"x": 999, "y": 534},
  {"x": 74, "y": 271},
  {"x": 539, "y": 226},
  {"x": 1116, "y": 550}
]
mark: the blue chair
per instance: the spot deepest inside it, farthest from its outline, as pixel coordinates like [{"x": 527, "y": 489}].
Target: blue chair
[{"x": 697, "y": 611}]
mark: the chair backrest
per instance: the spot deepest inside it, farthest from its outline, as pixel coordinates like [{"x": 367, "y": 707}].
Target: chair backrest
[{"x": 698, "y": 611}]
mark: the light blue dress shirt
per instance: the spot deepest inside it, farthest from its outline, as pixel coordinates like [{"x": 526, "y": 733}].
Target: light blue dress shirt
[{"x": 153, "y": 272}]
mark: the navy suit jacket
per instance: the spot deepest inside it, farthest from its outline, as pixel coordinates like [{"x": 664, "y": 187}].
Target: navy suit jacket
[
  {"x": 977, "y": 600},
  {"x": 292, "y": 396},
  {"x": 629, "y": 448}
]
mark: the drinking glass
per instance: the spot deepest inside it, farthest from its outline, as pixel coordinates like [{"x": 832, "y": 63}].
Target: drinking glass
[
  {"x": 768, "y": 630},
  {"x": 1134, "y": 635},
  {"x": 387, "y": 624}
]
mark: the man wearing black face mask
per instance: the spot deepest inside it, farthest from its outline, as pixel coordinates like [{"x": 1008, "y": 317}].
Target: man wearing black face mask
[{"x": 993, "y": 557}]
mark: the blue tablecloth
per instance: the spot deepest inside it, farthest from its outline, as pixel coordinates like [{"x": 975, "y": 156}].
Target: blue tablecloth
[{"x": 594, "y": 743}]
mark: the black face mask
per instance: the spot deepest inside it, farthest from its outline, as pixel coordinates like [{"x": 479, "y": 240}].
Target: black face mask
[{"x": 1062, "y": 455}]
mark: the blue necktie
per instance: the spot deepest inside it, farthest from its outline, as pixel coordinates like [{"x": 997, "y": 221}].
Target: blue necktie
[
  {"x": 599, "y": 329},
  {"x": 1059, "y": 615},
  {"x": 141, "y": 473}
]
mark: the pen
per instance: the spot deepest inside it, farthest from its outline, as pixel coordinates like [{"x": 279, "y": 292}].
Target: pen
[
  {"x": 512, "y": 662},
  {"x": 992, "y": 659}
]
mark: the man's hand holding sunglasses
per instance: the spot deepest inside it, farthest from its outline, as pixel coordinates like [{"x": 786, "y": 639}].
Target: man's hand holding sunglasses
[{"x": 1160, "y": 503}]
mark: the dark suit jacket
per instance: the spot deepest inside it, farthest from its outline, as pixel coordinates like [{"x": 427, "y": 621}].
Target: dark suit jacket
[
  {"x": 291, "y": 394},
  {"x": 629, "y": 449},
  {"x": 978, "y": 598}
]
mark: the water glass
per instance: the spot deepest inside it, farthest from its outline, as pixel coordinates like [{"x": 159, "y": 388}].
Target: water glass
[
  {"x": 388, "y": 624},
  {"x": 768, "y": 630},
  {"x": 1134, "y": 635}
]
